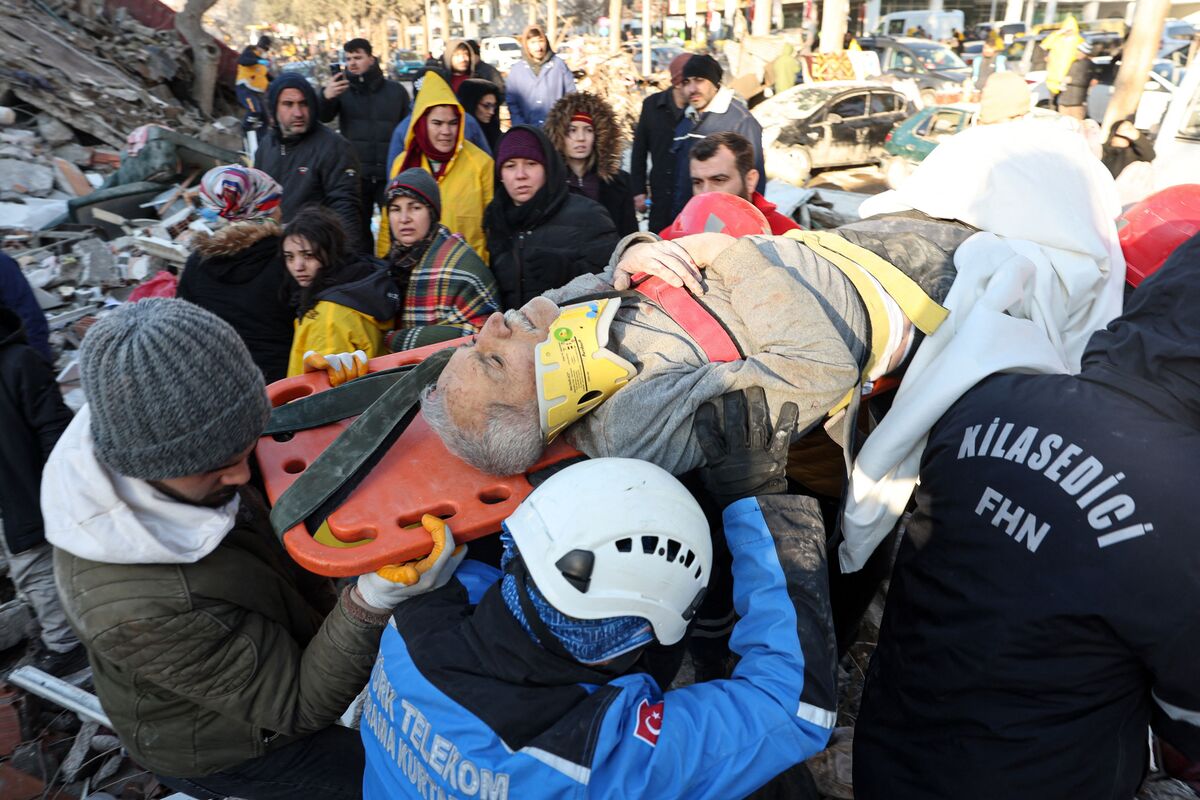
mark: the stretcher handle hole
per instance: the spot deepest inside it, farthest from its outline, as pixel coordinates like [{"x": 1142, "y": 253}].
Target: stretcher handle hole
[
  {"x": 286, "y": 436},
  {"x": 294, "y": 466},
  {"x": 290, "y": 393},
  {"x": 442, "y": 511},
  {"x": 493, "y": 495}
]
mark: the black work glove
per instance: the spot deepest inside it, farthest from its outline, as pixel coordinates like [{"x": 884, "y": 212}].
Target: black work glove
[{"x": 745, "y": 457}]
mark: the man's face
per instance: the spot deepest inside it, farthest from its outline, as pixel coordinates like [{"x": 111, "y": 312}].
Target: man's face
[
  {"x": 209, "y": 489},
  {"x": 720, "y": 174},
  {"x": 522, "y": 178},
  {"x": 581, "y": 137},
  {"x": 536, "y": 47},
  {"x": 497, "y": 367},
  {"x": 358, "y": 62},
  {"x": 409, "y": 219},
  {"x": 292, "y": 112},
  {"x": 442, "y": 125},
  {"x": 699, "y": 91},
  {"x": 460, "y": 60}
]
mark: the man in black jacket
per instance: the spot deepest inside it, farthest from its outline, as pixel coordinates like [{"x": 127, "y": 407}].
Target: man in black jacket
[
  {"x": 368, "y": 107},
  {"x": 34, "y": 417},
  {"x": 653, "y": 137},
  {"x": 1042, "y": 612},
  {"x": 312, "y": 163}
]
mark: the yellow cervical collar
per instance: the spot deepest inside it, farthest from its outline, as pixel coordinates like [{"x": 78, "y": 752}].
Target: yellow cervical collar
[{"x": 575, "y": 371}]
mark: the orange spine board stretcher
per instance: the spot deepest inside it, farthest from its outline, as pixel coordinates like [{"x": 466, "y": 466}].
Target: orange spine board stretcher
[{"x": 417, "y": 476}]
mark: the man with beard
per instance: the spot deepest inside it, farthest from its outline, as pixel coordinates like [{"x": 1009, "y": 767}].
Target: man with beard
[
  {"x": 222, "y": 665},
  {"x": 710, "y": 109},
  {"x": 536, "y": 82},
  {"x": 312, "y": 163},
  {"x": 724, "y": 162},
  {"x": 368, "y": 107}
]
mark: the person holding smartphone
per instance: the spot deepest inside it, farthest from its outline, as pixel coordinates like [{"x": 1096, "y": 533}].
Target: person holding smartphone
[{"x": 367, "y": 107}]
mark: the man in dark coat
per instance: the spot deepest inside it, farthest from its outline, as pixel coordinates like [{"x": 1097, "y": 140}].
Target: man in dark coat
[
  {"x": 34, "y": 417},
  {"x": 653, "y": 137},
  {"x": 368, "y": 107},
  {"x": 711, "y": 109},
  {"x": 539, "y": 234},
  {"x": 1042, "y": 611},
  {"x": 312, "y": 163}
]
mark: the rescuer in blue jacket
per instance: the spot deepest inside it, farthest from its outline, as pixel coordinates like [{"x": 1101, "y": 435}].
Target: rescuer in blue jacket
[{"x": 531, "y": 687}]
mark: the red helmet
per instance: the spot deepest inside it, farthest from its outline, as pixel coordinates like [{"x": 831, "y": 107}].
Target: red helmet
[
  {"x": 717, "y": 212},
  {"x": 1152, "y": 229}
]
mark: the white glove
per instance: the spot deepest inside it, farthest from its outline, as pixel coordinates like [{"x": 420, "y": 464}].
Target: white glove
[{"x": 387, "y": 587}]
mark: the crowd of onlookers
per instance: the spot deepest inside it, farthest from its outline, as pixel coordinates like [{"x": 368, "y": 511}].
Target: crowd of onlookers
[{"x": 427, "y": 192}]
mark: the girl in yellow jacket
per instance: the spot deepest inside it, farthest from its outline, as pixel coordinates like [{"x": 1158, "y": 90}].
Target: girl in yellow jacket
[
  {"x": 343, "y": 303},
  {"x": 435, "y": 143}
]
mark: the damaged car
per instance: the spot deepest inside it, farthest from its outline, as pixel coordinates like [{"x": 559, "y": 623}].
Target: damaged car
[{"x": 832, "y": 124}]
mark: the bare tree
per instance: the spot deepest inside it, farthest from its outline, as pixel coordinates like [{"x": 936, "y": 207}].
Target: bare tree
[{"x": 205, "y": 54}]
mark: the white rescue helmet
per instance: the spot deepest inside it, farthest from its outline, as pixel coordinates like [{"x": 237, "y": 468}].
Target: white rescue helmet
[{"x": 615, "y": 537}]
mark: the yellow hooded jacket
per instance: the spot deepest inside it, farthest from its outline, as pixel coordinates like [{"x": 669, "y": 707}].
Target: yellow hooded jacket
[
  {"x": 1061, "y": 48},
  {"x": 466, "y": 183}
]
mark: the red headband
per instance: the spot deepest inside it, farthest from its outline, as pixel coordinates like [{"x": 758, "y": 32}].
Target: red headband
[{"x": 579, "y": 116}]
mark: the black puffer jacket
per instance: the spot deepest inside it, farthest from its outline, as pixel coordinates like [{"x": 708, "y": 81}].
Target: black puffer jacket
[
  {"x": 1044, "y": 597},
  {"x": 367, "y": 113},
  {"x": 561, "y": 235},
  {"x": 34, "y": 416},
  {"x": 317, "y": 167},
  {"x": 238, "y": 274}
]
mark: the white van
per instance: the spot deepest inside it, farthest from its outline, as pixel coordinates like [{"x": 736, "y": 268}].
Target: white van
[
  {"x": 1178, "y": 145},
  {"x": 939, "y": 25}
]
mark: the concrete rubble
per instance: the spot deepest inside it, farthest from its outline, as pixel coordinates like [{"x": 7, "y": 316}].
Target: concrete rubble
[{"x": 93, "y": 70}]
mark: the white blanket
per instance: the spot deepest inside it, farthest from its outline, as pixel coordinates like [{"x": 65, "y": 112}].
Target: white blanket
[{"x": 1030, "y": 291}]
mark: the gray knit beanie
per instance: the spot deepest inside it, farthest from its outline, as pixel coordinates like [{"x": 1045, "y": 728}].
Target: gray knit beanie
[{"x": 172, "y": 390}]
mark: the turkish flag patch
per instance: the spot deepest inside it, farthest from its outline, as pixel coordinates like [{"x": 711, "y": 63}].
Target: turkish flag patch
[{"x": 649, "y": 722}]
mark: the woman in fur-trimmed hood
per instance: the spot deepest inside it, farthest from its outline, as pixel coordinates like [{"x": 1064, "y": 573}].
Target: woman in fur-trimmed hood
[
  {"x": 237, "y": 272},
  {"x": 584, "y": 130}
]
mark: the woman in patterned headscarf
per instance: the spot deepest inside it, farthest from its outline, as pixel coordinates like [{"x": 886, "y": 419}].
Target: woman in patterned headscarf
[{"x": 237, "y": 272}]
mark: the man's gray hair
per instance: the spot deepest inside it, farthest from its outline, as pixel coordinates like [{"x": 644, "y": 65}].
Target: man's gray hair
[{"x": 511, "y": 441}]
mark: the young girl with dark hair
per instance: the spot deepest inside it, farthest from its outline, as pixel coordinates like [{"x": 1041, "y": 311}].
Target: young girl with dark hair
[{"x": 343, "y": 303}]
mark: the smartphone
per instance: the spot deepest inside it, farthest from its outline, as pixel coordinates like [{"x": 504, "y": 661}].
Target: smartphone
[{"x": 334, "y": 69}]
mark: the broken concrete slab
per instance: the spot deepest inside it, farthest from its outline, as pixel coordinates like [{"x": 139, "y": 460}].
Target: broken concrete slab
[
  {"x": 54, "y": 132},
  {"x": 19, "y": 178},
  {"x": 97, "y": 262},
  {"x": 70, "y": 178}
]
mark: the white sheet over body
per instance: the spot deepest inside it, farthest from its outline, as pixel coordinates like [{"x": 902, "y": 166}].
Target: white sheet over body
[{"x": 1030, "y": 291}]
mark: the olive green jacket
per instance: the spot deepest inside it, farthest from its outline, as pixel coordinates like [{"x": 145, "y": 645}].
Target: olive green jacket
[{"x": 202, "y": 666}]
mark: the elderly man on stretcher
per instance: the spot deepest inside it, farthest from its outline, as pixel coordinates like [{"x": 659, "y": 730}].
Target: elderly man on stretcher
[
  {"x": 1026, "y": 275},
  {"x": 813, "y": 317},
  {"x": 807, "y": 319}
]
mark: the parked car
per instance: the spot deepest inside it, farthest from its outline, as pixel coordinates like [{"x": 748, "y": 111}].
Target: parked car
[
  {"x": 1178, "y": 142},
  {"x": 1156, "y": 97},
  {"x": 935, "y": 67},
  {"x": 1007, "y": 30},
  {"x": 833, "y": 124},
  {"x": 916, "y": 137},
  {"x": 500, "y": 51},
  {"x": 311, "y": 70},
  {"x": 937, "y": 25},
  {"x": 407, "y": 65}
]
